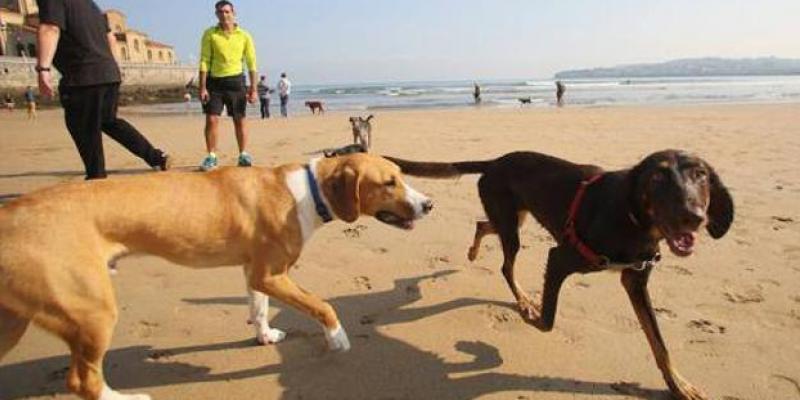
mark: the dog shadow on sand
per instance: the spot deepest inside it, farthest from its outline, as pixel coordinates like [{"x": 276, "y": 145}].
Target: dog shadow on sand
[{"x": 377, "y": 366}]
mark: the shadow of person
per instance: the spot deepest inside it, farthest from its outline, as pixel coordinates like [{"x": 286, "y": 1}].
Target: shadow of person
[{"x": 377, "y": 366}]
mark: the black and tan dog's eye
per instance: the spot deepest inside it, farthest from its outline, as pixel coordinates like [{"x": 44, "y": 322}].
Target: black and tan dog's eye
[{"x": 699, "y": 174}]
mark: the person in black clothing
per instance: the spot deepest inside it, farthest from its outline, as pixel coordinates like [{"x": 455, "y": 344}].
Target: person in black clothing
[{"x": 74, "y": 36}]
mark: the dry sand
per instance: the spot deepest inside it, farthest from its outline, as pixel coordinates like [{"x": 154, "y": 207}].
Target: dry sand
[{"x": 424, "y": 322}]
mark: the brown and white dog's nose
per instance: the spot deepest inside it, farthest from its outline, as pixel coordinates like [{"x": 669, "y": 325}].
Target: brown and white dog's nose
[{"x": 427, "y": 206}]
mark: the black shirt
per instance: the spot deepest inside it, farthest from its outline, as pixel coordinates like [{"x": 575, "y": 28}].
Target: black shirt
[{"x": 83, "y": 55}]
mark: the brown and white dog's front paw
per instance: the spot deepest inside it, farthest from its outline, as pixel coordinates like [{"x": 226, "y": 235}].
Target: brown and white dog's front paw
[
  {"x": 270, "y": 336},
  {"x": 109, "y": 394},
  {"x": 337, "y": 339}
]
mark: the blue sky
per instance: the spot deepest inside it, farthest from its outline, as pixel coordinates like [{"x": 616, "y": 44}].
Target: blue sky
[{"x": 327, "y": 41}]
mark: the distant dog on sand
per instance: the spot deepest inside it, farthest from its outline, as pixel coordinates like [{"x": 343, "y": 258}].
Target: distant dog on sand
[
  {"x": 314, "y": 106},
  {"x": 362, "y": 131},
  {"x": 524, "y": 100}
]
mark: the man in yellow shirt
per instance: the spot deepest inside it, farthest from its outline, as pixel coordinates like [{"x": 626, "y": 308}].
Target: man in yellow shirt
[{"x": 222, "y": 83}]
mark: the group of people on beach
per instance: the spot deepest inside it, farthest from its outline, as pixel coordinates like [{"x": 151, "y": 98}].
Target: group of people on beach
[
  {"x": 75, "y": 38},
  {"x": 30, "y": 102}
]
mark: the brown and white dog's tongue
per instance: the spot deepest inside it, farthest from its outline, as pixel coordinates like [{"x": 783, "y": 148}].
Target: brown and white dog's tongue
[{"x": 681, "y": 244}]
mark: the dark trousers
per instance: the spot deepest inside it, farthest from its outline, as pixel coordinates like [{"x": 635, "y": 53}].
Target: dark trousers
[
  {"x": 285, "y": 105},
  {"x": 264, "y": 107},
  {"x": 90, "y": 110}
]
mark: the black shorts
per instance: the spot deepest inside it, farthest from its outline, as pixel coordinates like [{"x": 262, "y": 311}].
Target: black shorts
[{"x": 228, "y": 92}]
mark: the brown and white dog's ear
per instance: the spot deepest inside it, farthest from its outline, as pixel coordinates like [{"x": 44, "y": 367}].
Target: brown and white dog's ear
[
  {"x": 369, "y": 118},
  {"x": 720, "y": 207},
  {"x": 342, "y": 193}
]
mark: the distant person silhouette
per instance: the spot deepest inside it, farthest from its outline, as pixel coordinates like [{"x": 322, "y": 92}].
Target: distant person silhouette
[
  {"x": 476, "y": 93},
  {"x": 560, "y": 89}
]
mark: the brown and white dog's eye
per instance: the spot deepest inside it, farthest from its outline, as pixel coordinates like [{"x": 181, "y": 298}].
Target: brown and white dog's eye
[{"x": 391, "y": 183}]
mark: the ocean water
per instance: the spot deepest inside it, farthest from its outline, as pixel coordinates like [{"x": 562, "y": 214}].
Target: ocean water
[{"x": 367, "y": 97}]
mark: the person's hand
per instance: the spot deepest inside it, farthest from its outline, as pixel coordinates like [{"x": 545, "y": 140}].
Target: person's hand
[
  {"x": 251, "y": 95},
  {"x": 203, "y": 95},
  {"x": 46, "y": 84}
]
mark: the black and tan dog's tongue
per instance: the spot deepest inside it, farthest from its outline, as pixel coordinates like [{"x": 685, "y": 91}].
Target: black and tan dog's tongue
[{"x": 681, "y": 244}]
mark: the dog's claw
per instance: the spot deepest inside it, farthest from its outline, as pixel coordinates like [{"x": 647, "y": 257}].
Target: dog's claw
[
  {"x": 472, "y": 253},
  {"x": 684, "y": 390},
  {"x": 529, "y": 310}
]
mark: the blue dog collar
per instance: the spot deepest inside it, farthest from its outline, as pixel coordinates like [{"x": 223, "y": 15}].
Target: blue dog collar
[{"x": 319, "y": 205}]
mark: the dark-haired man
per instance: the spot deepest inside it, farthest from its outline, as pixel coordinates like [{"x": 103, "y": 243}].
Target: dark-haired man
[
  {"x": 74, "y": 37},
  {"x": 222, "y": 82}
]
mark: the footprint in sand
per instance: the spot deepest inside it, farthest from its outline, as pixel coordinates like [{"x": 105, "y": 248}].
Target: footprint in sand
[
  {"x": 355, "y": 231},
  {"x": 145, "y": 328},
  {"x": 796, "y": 299},
  {"x": 751, "y": 295},
  {"x": 362, "y": 282},
  {"x": 435, "y": 261},
  {"x": 680, "y": 270},
  {"x": 706, "y": 326},
  {"x": 665, "y": 312}
]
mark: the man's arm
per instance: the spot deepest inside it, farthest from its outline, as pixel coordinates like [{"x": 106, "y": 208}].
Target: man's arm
[
  {"x": 47, "y": 37},
  {"x": 205, "y": 64},
  {"x": 250, "y": 60}
]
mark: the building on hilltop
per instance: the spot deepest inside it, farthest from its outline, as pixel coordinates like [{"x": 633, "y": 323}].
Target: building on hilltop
[
  {"x": 18, "y": 22},
  {"x": 20, "y": 18},
  {"x": 136, "y": 47}
]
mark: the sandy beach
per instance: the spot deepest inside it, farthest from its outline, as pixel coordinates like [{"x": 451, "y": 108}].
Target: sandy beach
[{"x": 424, "y": 322}]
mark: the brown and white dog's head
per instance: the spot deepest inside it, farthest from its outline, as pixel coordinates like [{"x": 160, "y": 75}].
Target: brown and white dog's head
[
  {"x": 677, "y": 193},
  {"x": 363, "y": 184}
]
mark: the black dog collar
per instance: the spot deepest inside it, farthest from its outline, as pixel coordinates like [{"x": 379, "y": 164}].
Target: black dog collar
[{"x": 319, "y": 205}]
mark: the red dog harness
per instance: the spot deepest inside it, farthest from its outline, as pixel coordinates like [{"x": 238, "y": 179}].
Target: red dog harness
[{"x": 569, "y": 229}]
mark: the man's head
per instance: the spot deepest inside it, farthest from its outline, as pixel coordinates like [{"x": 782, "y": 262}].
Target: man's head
[
  {"x": 283, "y": 74},
  {"x": 263, "y": 77},
  {"x": 225, "y": 13}
]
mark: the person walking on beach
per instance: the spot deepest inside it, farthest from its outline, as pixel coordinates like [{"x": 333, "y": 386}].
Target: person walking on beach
[
  {"x": 560, "y": 89},
  {"x": 264, "y": 96},
  {"x": 74, "y": 36},
  {"x": 30, "y": 100},
  {"x": 284, "y": 89},
  {"x": 222, "y": 82},
  {"x": 476, "y": 93}
]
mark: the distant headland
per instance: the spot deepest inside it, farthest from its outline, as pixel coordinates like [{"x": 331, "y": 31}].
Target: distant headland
[{"x": 709, "y": 66}]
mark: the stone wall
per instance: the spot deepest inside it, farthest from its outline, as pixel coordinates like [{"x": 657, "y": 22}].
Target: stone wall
[{"x": 17, "y": 73}]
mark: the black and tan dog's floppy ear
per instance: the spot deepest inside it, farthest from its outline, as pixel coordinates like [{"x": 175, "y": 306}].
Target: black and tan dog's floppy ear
[
  {"x": 720, "y": 207},
  {"x": 342, "y": 193}
]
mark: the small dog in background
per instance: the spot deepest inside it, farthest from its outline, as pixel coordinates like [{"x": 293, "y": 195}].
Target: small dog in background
[
  {"x": 314, "y": 106},
  {"x": 524, "y": 100},
  {"x": 362, "y": 131}
]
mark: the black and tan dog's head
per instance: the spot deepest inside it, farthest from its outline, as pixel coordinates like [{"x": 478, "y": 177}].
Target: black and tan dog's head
[
  {"x": 363, "y": 184},
  {"x": 676, "y": 193}
]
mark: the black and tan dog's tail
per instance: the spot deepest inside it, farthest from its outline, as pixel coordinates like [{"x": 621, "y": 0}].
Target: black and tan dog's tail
[{"x": 439, "y": 169}]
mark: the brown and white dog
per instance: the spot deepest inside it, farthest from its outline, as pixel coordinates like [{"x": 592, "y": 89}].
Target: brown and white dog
[
  {"x": 56, "y": 244},
  {"x": 314, "y": 106}
]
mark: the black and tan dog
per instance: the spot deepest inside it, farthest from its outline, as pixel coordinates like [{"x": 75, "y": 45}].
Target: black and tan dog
[
  {"x": 600, "y": 220},
  {"x": 55, "y": 244}
]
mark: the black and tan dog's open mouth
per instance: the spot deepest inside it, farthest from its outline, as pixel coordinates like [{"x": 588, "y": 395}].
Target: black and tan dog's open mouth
[
  {"x": 681, "y": 244},
  {"x": 388, "y": 217}
]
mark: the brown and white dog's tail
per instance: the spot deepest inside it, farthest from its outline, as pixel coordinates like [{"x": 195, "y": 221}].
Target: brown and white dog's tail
[{"x": 439, "y": 169}]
